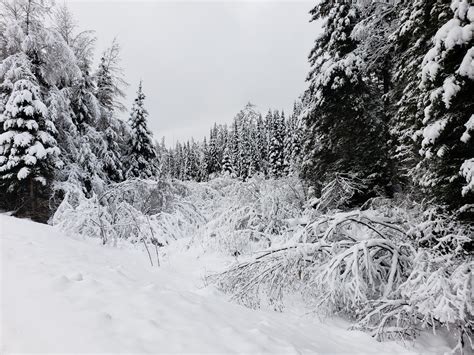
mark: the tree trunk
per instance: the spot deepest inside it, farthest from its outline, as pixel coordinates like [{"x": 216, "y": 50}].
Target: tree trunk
[{"x": 32, "y": 197}]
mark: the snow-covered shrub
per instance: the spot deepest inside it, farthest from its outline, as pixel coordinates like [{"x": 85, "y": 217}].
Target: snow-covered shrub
[
  {"x": 438, "y": 290},
  {"x": 266, "y": 277},
  {"x": 135, "y": 210},
  {"x": 337, "y": 194},
  {"x": 343, "y": 261},
  {"x": 246, "y": 215},
  {"x": 392, "y": 269}
]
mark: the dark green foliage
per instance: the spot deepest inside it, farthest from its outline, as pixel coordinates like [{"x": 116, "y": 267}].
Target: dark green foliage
[
  {"x": 344, "y": 133},
  {"x": 143, "y": 157}
]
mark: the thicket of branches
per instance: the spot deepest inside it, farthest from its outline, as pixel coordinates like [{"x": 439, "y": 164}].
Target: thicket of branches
[
  {"x": 244, "y": 216},
  {"x": 393, "y": 270},
  {"x": 137, "y": 210}
]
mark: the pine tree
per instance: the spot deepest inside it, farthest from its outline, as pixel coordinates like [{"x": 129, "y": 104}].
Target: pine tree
[
  {"x": 105, "y": 89},
  {"x": 256, "y": 165},
  {"x": 28, "y": 149},
  {"x": 234, "y": 143},
  {"x": 109, "y": 79},
  {"x": 447, "y": 166},
  {"x": 227, "y": 163},
  {"x": 276, "y": 151},
  {"x": 143, "y": 158},
  {"x": 261, "y": 145},
  {"x": 222, "y": 136},
  {"x": 84, "y": 104},
  {"x": 244, "y": 124},
  {"x": 268, "y": 123},
  {"x": 204, "y": 160},
  {"x": 244, "y": 149},
  {"x": 342, "y": 135},
  {"x": 282, "y": 127},
  {"x": 202, "y": 173},
  {"x": 109, "y": 83},
  {"x": 213, "y": 163},
  {"x": 112, "y": 161},
  {"x": 293, "y": 141},
  {"x": 89, "y": 177},
  {"x": 417, "y": 23},
  {"x": 192, "y": 161}
]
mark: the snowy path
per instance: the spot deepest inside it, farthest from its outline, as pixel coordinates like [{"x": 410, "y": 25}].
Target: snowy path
[{"x": 60, "y": 294}]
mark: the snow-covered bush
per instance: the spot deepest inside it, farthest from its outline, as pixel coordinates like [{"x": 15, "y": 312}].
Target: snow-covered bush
[
  {"x": 135, "y": 210},
  {"x": 337, "y": 194},
  {"x": 392, "y": 269},
  {"x": 343, "y": 261},
  {"x": 246, "y": 215},
  {"x": 438, "y": 290}
]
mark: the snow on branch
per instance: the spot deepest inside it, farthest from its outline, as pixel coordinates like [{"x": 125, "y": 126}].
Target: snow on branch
[{"x": 392, "y": 270}]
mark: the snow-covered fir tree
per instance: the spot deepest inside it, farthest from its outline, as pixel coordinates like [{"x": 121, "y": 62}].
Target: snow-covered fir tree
[
  {"x": 142, "y": 157},
  {"x": 261, "y": 146},
  {"x": 293, "y": 141},
  {"x": 213, "y": 163},
  {"x": 227, "y": 163},
  {"x": 109, "y": 79},
  {"x": 234, "y": 144},
  {"x": 28, "y": 149},
  {"x": 84, "y": 104},
  {"x": 342, "y": 135},
  {"x": 447, "y": 166},
  {"x": 104, "y": 91},
  {"x": 416, "y": 24},
  {"x": 276, "y": 151}
]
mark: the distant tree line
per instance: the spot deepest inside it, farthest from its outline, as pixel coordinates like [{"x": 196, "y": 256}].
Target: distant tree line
[{"x": 253, "y": 144}]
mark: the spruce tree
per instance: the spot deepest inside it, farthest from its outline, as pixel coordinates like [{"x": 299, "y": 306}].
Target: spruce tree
[
  {"x": 112, "y": 161},
  {"x": 293, "y": 142},
  {"x": 105, "y": 90},
  {"x": 213, "y": 163},
  {"x": 227, "y": 163},
  {"x": 417, "y": 23},
  {"x": 276, "y": 151},
  {"x": 143, "y": 158},
  {"x": 261, "y": 145},
  {"x": 342, "y": 135},
  {"x": 28, "y": 149},
  {"x": 256, "y": 165},
  {"x": 109, "y": 83},
  {"x": 205, "y": 160},
  {"x": 244, "y": 149},
  {"x": 234, "y": 146},
  {"x": 109, "y": 79},
  {"x": 268, "y": 124},
  {"x": 84, "y": 103},
  {"x": 193, "y": 170},
  {"x": 447, "y": 166}
]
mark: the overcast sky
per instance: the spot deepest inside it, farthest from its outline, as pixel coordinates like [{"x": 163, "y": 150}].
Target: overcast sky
[{"x": 202, "y": 61}]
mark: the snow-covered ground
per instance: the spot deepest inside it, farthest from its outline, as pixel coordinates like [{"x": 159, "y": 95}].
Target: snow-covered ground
[{"x": 65, "y": 294}]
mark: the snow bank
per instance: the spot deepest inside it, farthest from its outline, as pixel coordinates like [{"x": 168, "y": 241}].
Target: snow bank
[{"x": 71, "y": 295}]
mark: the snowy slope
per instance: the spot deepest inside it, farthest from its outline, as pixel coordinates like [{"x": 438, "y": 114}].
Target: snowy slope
[{"x": 61, "y": 294}]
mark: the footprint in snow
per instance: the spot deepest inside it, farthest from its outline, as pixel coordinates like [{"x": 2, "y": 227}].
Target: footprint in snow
[
  {"x": 76, "y": 277},
  {"x": 105, "y": 316}
]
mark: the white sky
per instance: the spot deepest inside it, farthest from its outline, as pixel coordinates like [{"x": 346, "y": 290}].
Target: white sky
[{"x": 202, "y": 61}]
